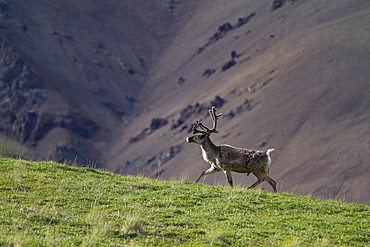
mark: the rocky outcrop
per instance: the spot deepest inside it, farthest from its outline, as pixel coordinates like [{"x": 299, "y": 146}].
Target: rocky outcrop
[
  {"x": 145, "y": 165},
  {"x": 160, "y": 159},
  {"x": 156, "y": 123},
  {"x": 64, "y": 154},
  {"x": 279, "y": 3},
  {"x": 22, "y": 99},
  {"x": 197, "y": 109},
  {"x": 21, "y": 94},
  {"x": 247, "y": 105},
  {"x": 223, "y": 30}
]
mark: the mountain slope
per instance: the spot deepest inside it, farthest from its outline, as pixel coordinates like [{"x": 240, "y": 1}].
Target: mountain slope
[
  {"x": 73, "y": 70},
  {"x": 119, "y": 84},
  {"x": 299, "y": 85}
]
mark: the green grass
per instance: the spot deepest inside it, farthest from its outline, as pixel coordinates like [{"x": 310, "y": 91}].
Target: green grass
[{"x": 48, "y": 204}]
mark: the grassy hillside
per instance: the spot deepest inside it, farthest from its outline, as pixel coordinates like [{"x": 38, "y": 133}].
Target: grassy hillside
[{"x": 46, "y": 204}]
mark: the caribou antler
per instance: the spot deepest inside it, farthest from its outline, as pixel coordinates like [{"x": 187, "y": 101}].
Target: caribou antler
[
  {"x": 215, "y": 117},
  {"x": 206, "y": 130},
  {"x": 195, "y": 130}
]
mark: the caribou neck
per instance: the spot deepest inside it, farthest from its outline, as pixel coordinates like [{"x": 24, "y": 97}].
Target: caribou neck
[{"x": 210, "y": 151}]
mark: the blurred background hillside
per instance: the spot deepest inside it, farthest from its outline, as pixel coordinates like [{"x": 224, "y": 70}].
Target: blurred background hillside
[{"x": 118, "y": 85}]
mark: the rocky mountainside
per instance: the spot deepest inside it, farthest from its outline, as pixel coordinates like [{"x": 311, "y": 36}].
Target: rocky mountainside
[
  {"x": 72, "y": 71},
  {"x": 119, "y": 84}
]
